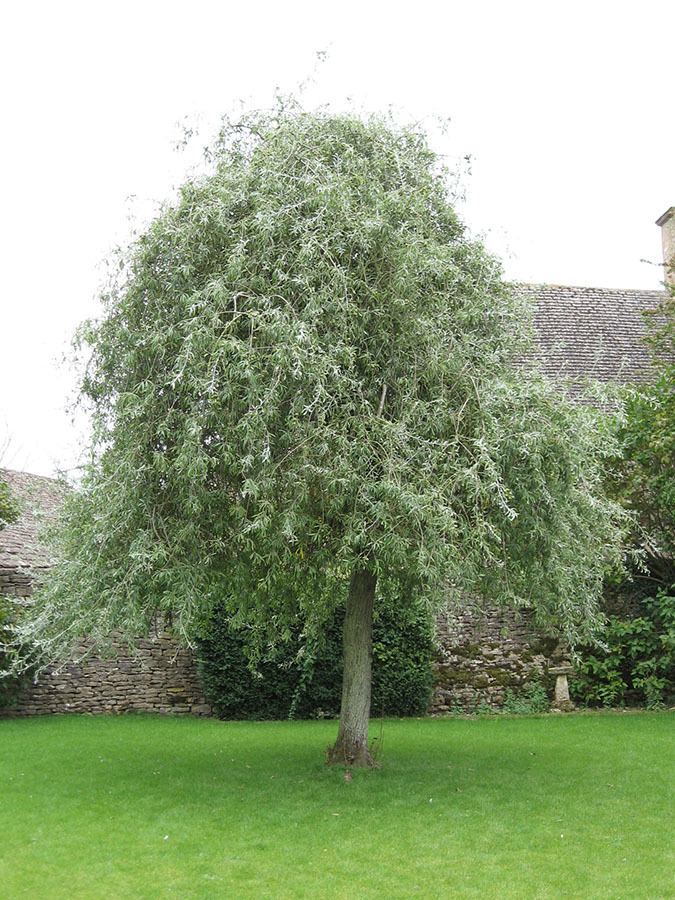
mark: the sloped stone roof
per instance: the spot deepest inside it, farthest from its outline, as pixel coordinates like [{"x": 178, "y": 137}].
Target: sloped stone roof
[
  {"x": 39, "y": 500},
  {"x": 591, "y": 333}
]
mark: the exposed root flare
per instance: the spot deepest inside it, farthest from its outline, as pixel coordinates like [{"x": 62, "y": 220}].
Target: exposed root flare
[{"x": 355, "y": 757}]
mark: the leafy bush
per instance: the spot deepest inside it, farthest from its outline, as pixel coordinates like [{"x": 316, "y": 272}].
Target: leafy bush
[
  {"x": 297, "y": 681},
  {"x": 531, "y": 698},
  {"x": 637, "y": 664}
]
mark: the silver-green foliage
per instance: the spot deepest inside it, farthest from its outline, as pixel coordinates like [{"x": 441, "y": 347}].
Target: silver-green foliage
[{"x": 306, "y": 365}]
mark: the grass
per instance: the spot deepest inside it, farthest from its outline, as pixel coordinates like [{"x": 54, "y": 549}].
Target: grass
[{"x": 135, "y": 807}]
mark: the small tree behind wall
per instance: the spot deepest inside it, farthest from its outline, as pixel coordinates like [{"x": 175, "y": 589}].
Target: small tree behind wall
[
  {"x": 304, "y": 390},
  {"x": 9, "y": 510}
]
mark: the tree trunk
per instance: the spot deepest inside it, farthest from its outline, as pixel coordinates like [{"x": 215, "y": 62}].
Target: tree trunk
[{"x": 351, "y": 747}]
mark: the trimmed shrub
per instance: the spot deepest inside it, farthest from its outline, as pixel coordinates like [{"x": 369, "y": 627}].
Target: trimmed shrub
[
  {"x": 403, "y": 657},
  {"x": 305, "y": 682}
]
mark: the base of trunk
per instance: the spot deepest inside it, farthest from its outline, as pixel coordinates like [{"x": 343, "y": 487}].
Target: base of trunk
[
  {"x": 351, "y": 746},
  {"x": 356, "y": 756}
]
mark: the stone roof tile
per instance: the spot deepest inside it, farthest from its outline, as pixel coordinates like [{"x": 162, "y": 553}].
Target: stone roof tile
[
  {"x": 39, "y": 500},
  {"x": 591, "y": 333}
]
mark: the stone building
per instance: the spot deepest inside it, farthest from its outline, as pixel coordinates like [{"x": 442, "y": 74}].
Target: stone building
[
  {"x": 22, "y": 558},
  {"x": 581, "y": 333},
  {"x": 159, "y": 675}
]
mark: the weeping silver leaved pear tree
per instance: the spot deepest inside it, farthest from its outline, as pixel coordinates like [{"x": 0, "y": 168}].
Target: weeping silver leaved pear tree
[{"x": 306, "y": 393}]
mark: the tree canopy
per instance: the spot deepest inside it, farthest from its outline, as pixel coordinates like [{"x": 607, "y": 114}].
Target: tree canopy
[{"x": 308, "y": 372}]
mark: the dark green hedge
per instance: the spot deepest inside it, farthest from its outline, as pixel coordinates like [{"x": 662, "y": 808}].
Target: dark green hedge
[{"x": 284, "y": 687}]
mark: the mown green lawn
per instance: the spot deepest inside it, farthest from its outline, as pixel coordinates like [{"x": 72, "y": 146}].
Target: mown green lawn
[{"x": 566, "y": 806}]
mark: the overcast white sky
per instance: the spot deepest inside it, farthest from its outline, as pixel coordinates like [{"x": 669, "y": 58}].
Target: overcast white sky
[{"x": 566, "y": 109}]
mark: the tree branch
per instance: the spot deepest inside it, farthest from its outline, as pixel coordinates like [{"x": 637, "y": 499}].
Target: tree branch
[{"x": 383, "y": 397}]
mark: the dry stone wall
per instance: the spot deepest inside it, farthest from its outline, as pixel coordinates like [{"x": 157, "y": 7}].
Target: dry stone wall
[
  {"x": 158, "y": 675},
  {"x": 483, "y": 653},
  {"x": 14, "y": 582}
]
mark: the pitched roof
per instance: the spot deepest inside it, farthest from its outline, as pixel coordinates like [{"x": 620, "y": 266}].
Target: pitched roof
[
  {"x": 39, "y": 501},
  {"x": 595, "y": 333}
]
